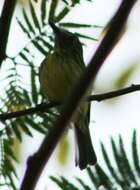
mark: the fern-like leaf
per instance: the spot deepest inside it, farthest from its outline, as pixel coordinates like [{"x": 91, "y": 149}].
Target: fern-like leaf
[
  {"x": 93, "y": 177},
  {"x": 126, "y": 164},
  {"x": 43, "y": 12},
  {"x": 34, "y": 17},
  {"x": 62, "y": 14},
  {"x": 53, "y": 7},
  {"x": 110, "y": 166},
  {"x": 135, "y": 153}
]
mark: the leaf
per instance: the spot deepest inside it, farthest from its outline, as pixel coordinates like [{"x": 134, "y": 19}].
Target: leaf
[
  {"x": 76, "y": 25},
  {"x": 23, "y": 28},
  {"x": 85, "y": 36},
  {"x": 26, "y": 50},
  {"x": 58, "y": 182},
  {"x": 109, "y": 165},
  {"x": 74, "y": 2},
  {"x": 68, "y": 184},
  {"x": 33, "y": 86},
  {"x": 63, "y": 150},
  {"x": 24, "y": 57},
  {"x": 118, "y": 161},
  {"x": 8, "y": 130},
  {"x": 9, "y": 168},
  {"x": 23, "y": 126},
  {"x": 63, "y": 183},
  {"x": 12, "y": 183},
  {"x": 34, "y": 125},
  {"x": 126, "y": 163},
  {"x": 126, "y": 75},
  {"x": 104, "y": 179},
  {"x": 62, "y": 14},
  {"x": 93, "y": 177},
  {"x": 66, "y": 2},
  {"x": 8, "y": 149},
  {"x": 40, "y": 48},
  {"x": 53, "y": 7},
  {"x": 100, "y": 179},
  {"x": 30, "y": 27},
  {"x": 135, "y": 153},
  {"x": 25, "y": 54},
  {"x": 27, "y": 97},
  {"x": 43, "y": 11},
  {"x": 10, "y": 76},
  {"x": 46, "y": 44},
  {"x": 16, "y": 130},
  {"x": 34, "y": 16},
  {"x": 85, "y": 187},
  {"x": 136, "y": 188},
  {"x": 34, "y": 41}
]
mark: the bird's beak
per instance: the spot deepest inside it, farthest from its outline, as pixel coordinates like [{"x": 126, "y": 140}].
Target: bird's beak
[{"x": 54, "y": 27}]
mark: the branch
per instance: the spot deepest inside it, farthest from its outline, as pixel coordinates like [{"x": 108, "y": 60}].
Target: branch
[
  {"x": 5, "y": 21},
  {"x": 46, "y": 106},
  {"x": 39, "y": 108},
  {"x": 37, "y": 162},
  {"x": 114, "y": 94}
]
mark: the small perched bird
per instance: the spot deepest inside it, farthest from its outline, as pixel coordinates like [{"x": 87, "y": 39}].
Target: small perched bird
[{"x": 58, "y": 73}]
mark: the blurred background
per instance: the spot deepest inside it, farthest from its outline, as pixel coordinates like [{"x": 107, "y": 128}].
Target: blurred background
[{"x": 108, "y": 118}]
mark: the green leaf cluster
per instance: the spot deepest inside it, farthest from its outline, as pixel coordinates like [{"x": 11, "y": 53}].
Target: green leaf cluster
[
  {"x": 121, "y": 173},
  {"x": 21, "y": 95}
]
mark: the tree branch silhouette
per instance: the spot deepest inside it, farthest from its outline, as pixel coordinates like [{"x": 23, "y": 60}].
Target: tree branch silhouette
[
  {"x": 36, "y": 162},
  {"x": 5, "y": 21},
  {"x": 46, "y": 106}
]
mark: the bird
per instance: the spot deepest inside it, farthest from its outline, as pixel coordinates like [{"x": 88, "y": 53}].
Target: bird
[{"x": 58, "y": 73}]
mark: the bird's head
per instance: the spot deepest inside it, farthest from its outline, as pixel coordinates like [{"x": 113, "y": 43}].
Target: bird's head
[{"x": 65, "y": 40}]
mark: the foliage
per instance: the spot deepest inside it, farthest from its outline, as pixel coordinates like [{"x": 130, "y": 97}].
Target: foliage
[
  {"x": 121, "y": 174},
  {"x": 126, "y": 75},
  {"x": 19, "y": 95}
]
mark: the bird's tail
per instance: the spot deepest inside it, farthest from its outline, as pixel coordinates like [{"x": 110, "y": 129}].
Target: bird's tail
[{"x": 85, "y": 155}]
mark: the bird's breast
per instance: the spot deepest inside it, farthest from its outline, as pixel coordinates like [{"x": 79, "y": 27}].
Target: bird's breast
[{"x": 58, "y": 75}]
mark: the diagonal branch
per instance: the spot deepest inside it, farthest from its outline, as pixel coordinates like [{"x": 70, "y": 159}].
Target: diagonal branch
[
  {"x": 46, "y": 106},
  {"x": 37, "y": 162},
  {"x": 5, "y": 21}
]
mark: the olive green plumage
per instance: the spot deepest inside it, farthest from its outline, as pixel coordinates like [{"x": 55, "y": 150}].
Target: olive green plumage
[{"x": 58, "y": 73}]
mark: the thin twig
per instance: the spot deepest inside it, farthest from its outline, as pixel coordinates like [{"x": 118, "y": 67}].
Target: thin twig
[
  {"x": 44, "y": 107},
  {"x": 37, "y": 162},
  {"x": 114, "y": 94},
  {"x": 5, "y": 21}
]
